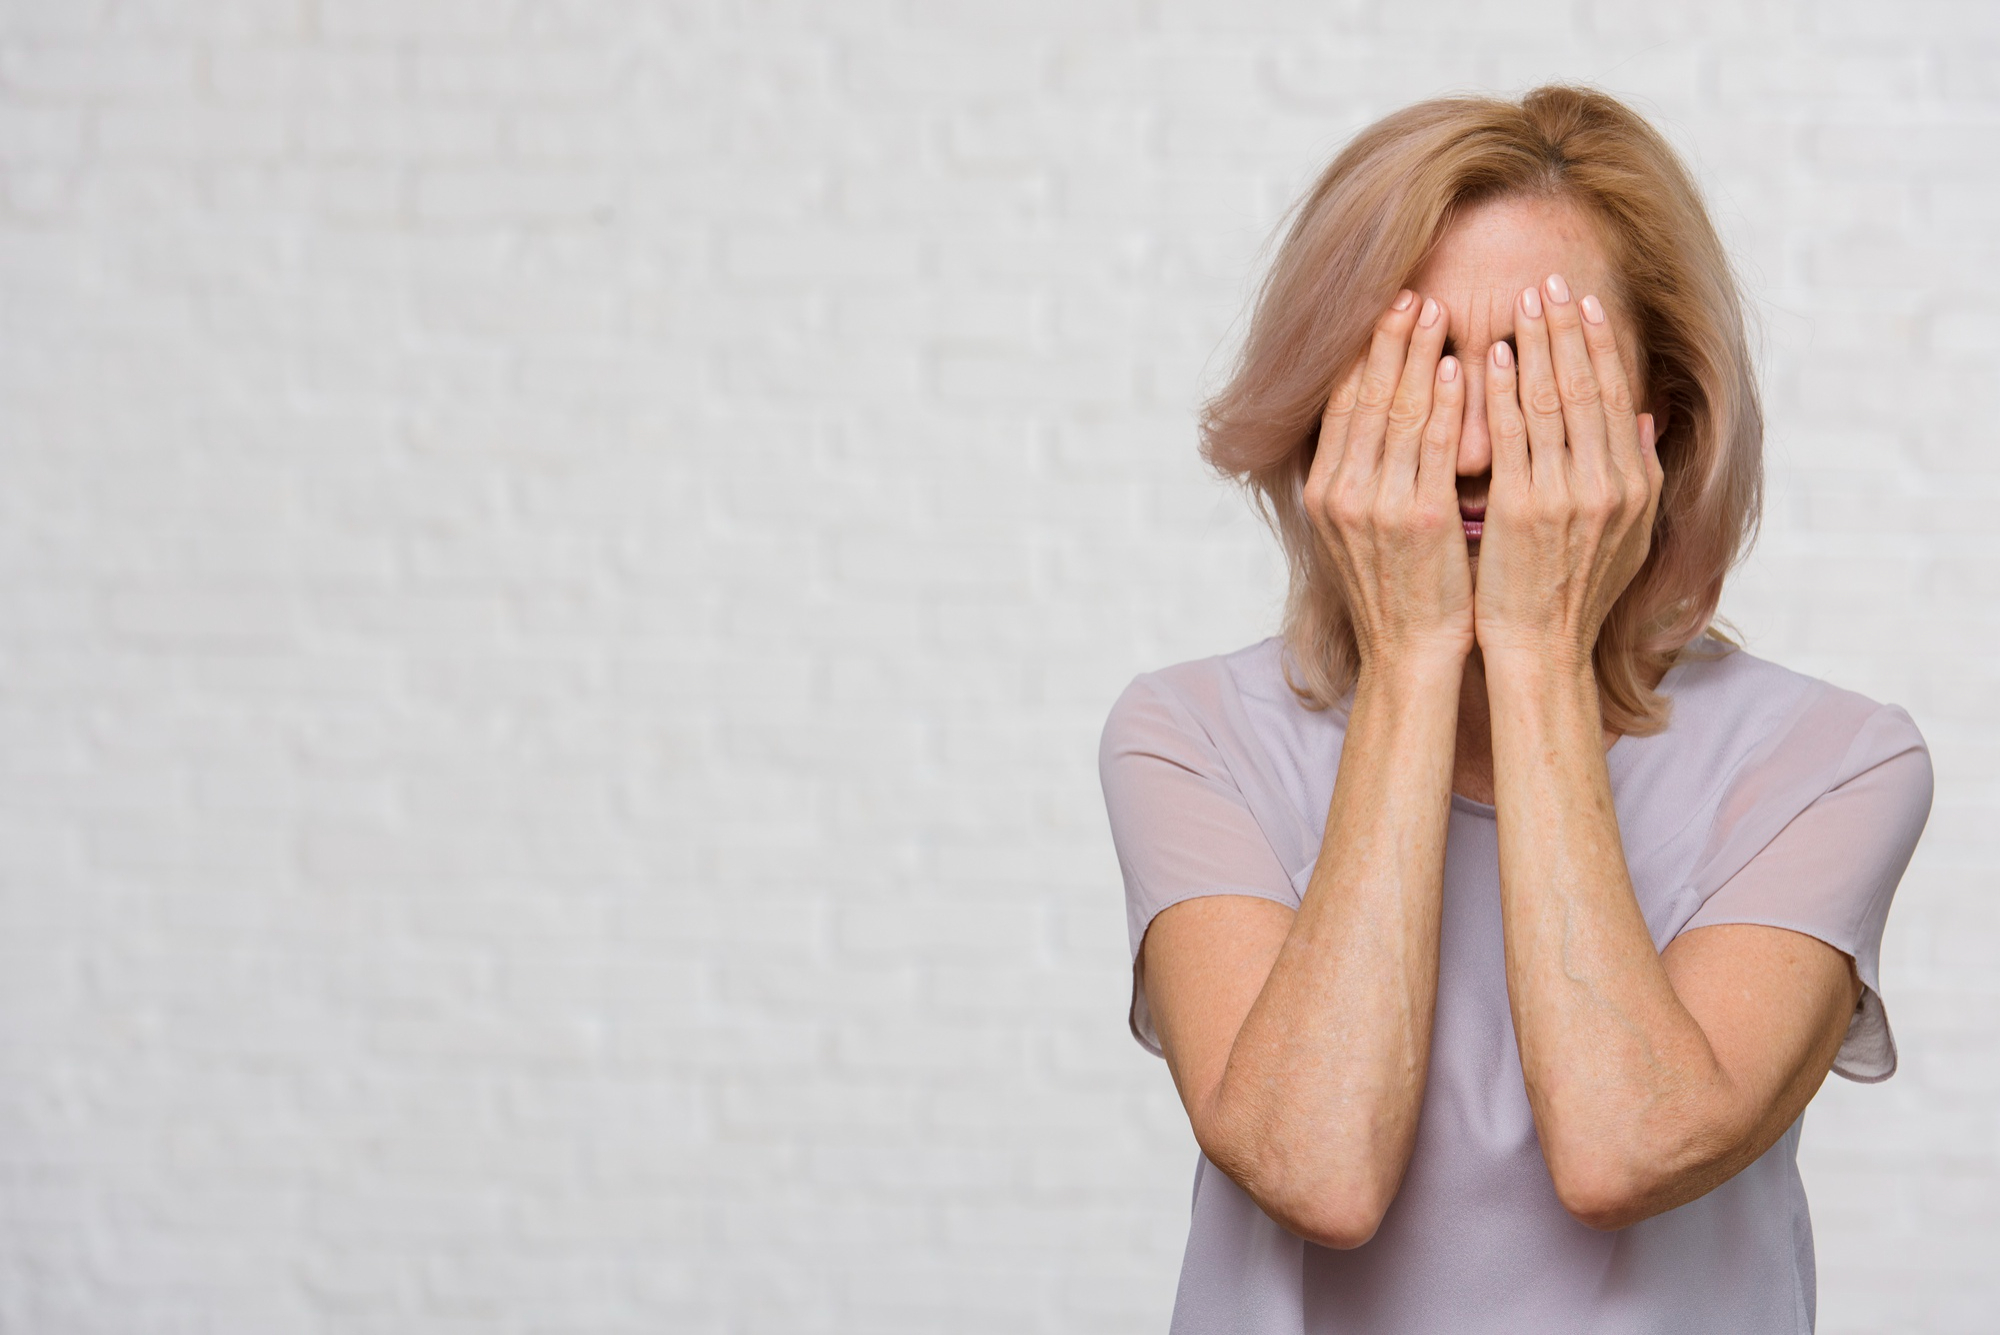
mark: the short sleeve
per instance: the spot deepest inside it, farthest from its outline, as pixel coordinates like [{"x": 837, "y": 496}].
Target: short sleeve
[
  {"x": 1831, "y": 871},
  {"x": 1179, "y": 820}
]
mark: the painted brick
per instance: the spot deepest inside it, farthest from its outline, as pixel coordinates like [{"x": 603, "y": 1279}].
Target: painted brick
[{"x": 563, "y": 564}]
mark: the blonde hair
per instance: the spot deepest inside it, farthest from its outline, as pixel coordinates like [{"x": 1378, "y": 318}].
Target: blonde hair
[{"x": 1356, "y": 238}]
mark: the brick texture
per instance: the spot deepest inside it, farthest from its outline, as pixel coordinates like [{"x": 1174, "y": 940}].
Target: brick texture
[{"x": 561, "y": 562}]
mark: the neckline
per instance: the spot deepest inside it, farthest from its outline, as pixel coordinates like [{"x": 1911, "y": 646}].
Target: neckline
[{"x": 1617, "y": 756}]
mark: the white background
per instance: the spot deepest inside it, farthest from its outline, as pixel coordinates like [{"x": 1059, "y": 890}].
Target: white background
[{"x": 561, "y": 565}]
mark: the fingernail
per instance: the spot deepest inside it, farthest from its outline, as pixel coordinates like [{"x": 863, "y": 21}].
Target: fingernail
[
  {"x": 1558, "y": 289},
  {"x": 1404, "y": 298},
  {"x": 1592, "y": 311},
  {"x": 1429, "y": 314},
  {"x": 1531, "y": 302},
  {"x": 1502, "y": 355},
  {"x": 1448, "y": 370}
]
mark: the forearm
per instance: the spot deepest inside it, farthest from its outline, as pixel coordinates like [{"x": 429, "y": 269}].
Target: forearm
[
  {"x": 1631, "y": 1106},
  {"x": 1317, "y": 1107}
]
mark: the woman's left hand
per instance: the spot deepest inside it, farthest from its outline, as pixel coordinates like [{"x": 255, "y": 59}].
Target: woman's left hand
[{"x": 1576, "y": 482}]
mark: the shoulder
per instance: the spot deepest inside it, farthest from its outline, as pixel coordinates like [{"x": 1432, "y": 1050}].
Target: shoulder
[
  {"x": 1766, "y": 713},
  {"x": 1200, "y": 696},
  {"x": 1719, "y": 687},
  {"x": 1754, "y": 744}
]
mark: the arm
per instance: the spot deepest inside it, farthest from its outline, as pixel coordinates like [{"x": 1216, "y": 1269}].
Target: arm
[
  {"x": 1652, "y": 1077},
  {"x": 1299, "y": 1042}
]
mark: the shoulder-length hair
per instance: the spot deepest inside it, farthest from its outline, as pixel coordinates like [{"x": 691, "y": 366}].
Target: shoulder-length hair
[{"x": 1365, "y": 228}]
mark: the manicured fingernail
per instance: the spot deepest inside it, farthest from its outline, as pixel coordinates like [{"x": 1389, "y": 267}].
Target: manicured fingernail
[
  {"x": 1531, "y": 302},
  {"x": 1592, "y": 311},
  {"x": 1404, "y": 298},
  {"x": 1558, "y": 289},
  {"x": 1429, "y": 314},
  {"x": 1448, "y": 370},
  {"x": 1502, "y": 355}
]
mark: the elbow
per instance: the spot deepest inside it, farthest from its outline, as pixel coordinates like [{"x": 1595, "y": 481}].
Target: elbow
[
  {"x": 1328, "y": 1209},
  {"x": 1612, "y": 1182},
  {"x": 1598, "y": 1177},
  {"x": 1601, "y": 1197},
  {"x": 1324, "y": 1188},
  {"x": 1609, "y": 1187},
  {"x": 1340, "y": 1225}
]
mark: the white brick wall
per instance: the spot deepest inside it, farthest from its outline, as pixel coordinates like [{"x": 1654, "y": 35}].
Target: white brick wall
[{"x": 561, "y": 564}]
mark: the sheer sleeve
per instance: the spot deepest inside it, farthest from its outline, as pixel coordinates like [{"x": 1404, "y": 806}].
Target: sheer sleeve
[
  {"x": 1179, "y": 820},
  {"x": 1831, "y": 871}
]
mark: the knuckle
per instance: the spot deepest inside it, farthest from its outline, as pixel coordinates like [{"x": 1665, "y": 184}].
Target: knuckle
[
  {"x": 1429, "y": 521},
  {"x": 1580, "y": 388},
  {"x": 1406, "y": 414},
  {"x": 1618, "y": 397},
  {"x": 1346, "y": 506},
  {"x": 1544, "y": 400}
]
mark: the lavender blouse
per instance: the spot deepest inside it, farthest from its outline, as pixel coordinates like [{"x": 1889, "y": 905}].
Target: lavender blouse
[{"x": 1770, "y": 798}]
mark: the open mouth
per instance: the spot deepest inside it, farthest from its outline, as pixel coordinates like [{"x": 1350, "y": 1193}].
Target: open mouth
[{"x": 1474, "y": 518}]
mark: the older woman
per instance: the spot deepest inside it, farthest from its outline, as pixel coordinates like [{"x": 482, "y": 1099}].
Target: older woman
[{"x": 1498, "y": 920}]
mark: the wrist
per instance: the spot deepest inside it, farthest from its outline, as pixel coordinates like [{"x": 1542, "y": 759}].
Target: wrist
[
  {"x": 1414, "y": 674},
  {"x": 1530, "y": 687},
  {"x": 1437, "y": 655},
  {"x": 1538, "y": 667},
  {"x": 1405, "y": 713}
]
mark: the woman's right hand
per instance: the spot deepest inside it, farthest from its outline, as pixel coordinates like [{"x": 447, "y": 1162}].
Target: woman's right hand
[
  {"x": 1301, "y": 1041},
  {"x": 1383, "y": 493}
]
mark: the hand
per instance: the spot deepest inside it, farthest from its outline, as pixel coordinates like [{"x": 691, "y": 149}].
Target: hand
[
  {"x": 1383, "y": 496},
  {"x": 1576, "y": 483}
]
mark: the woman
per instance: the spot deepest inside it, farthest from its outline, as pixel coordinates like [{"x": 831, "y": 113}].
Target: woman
[{"x": 1498, "y": 921}]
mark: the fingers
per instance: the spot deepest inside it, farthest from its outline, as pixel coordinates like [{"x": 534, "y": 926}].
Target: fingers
[
  {"x": 1621, "y": 428},
  {"x": 1541, "y": 402},
  {"x": 1649, "y": 450},
  {"x": 1333, "y": 428},
  {"x": 1410, "y": 410},
  {"x": 1577, "y": 384},
  {"x": 1437, "y": 465},
  {"x": 1504, "y": 420},
  {"x": 1380, "y": 377}
]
